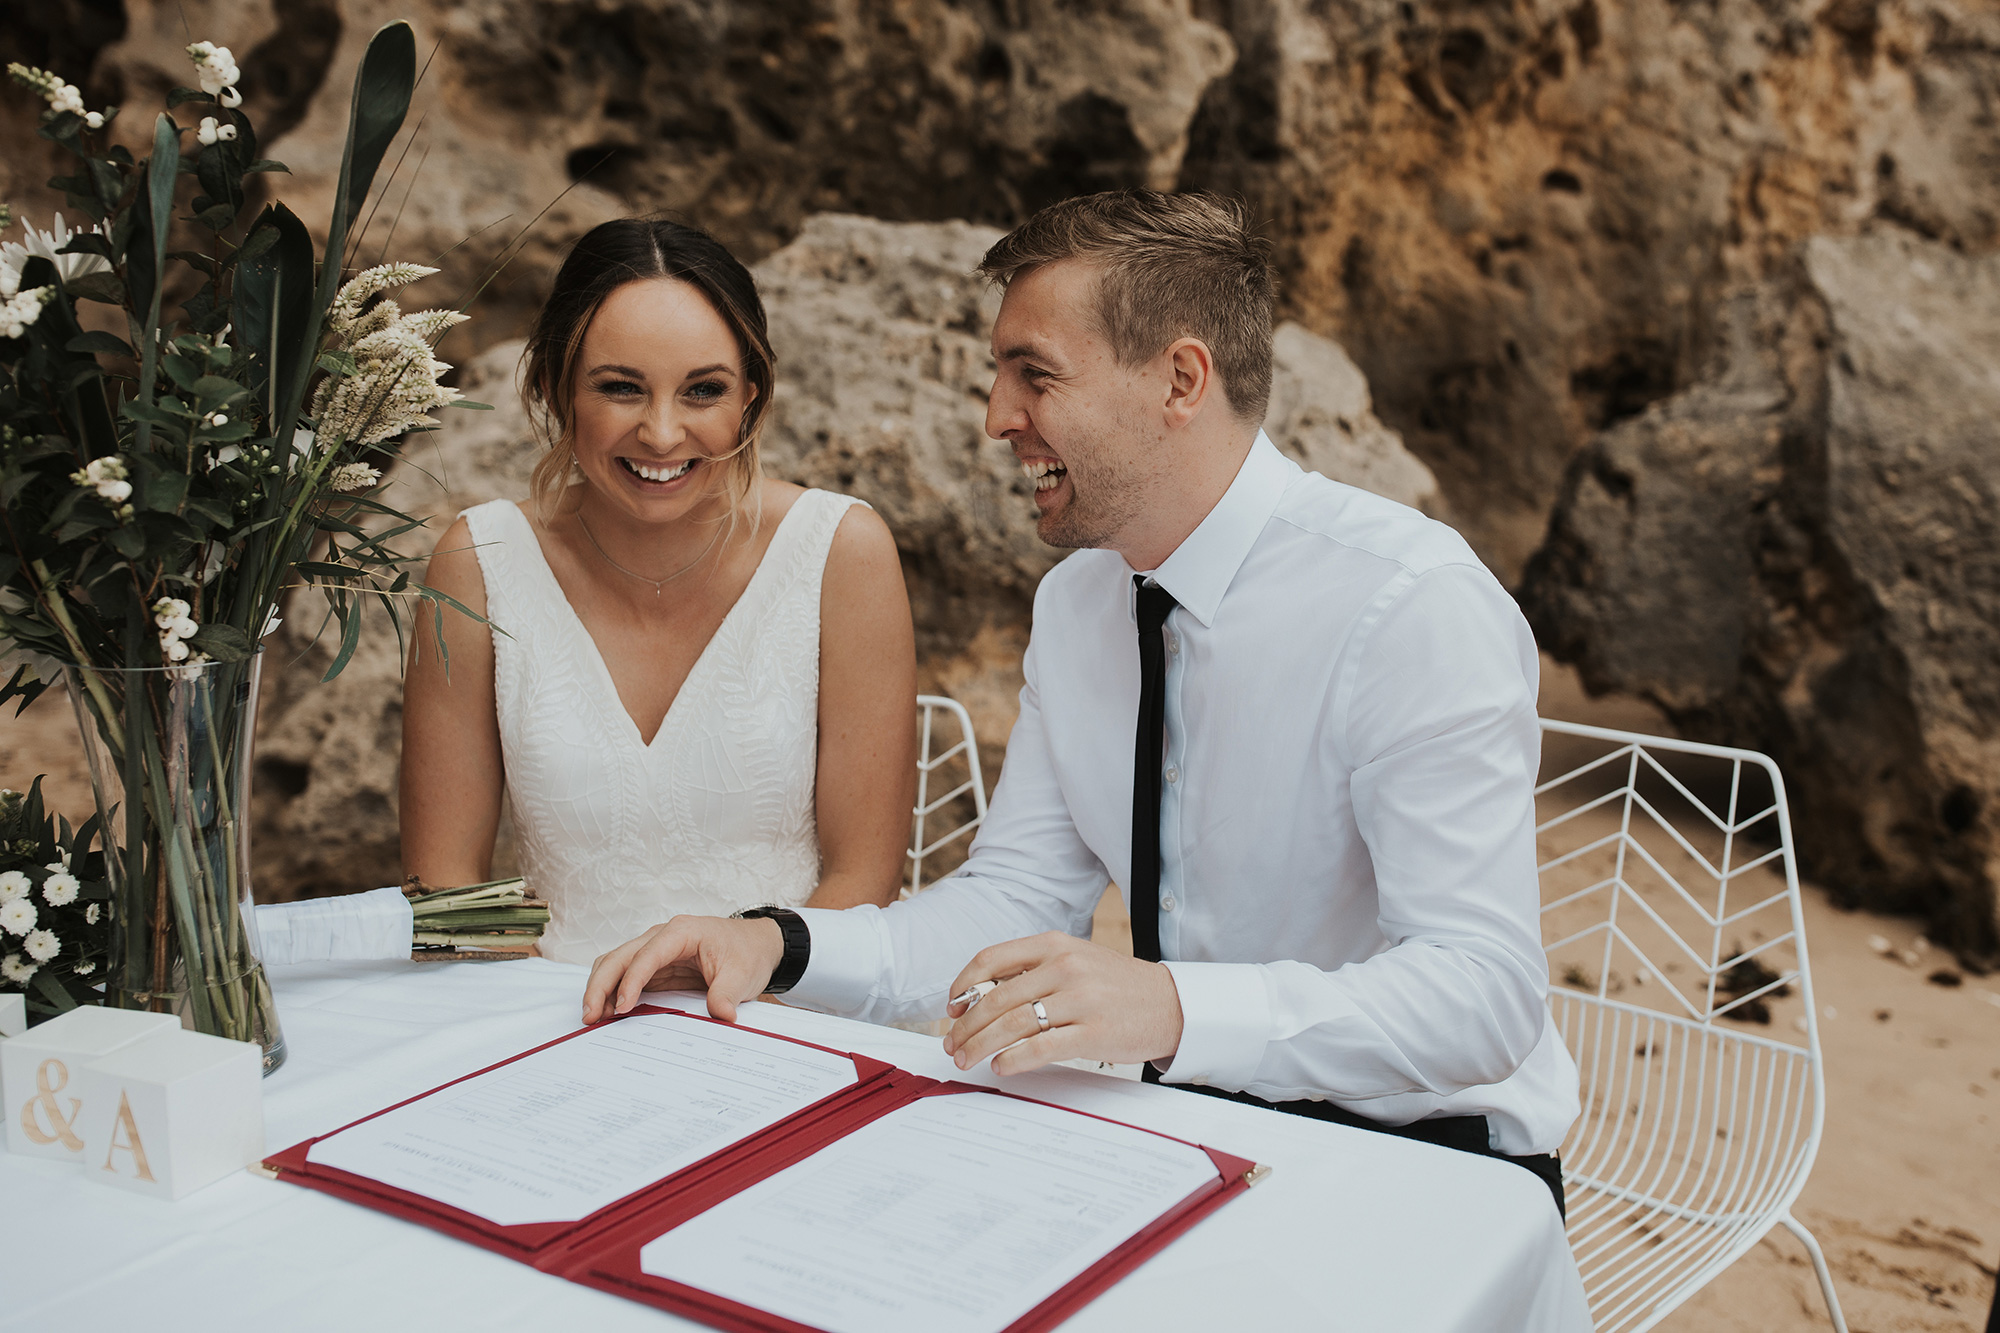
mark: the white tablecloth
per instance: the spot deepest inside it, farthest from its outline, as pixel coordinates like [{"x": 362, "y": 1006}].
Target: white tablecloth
[{"x": 1352, "y": 1231}]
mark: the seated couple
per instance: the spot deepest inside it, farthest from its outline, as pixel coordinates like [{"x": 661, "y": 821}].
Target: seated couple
[{"x": 1293, "y": 721}]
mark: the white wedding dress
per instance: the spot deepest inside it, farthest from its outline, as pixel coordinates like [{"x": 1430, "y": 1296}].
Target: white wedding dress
[{"x": 717, "y": 813}]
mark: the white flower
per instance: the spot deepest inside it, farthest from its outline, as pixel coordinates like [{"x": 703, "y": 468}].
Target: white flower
[
  {"x": 173, "y": 649},
  {"x": 90, "y": 914},
  {"x": 353, "y": 477},
  {"x": 94, "y": 119},
  {"x": 13, "y": 885},
  {"x": 107, "y": 476},
  {"x": 207, "y": 131},
  {"x": 215, "y": 68},
  {"x": 17, "y": 916},
  {"x": 169, "y": 609},
  {"x": 59, "y": 890},
  {"x": 231, "y": 99},
  {"x": 42, "y": 945},
  {"x": 14, "y": 255},
  {"x": 84, "y": 969},
  {"x": 61, "y": 96},
  {"x": 60, "y": 864},
  {"x": 16, "y": 971},
  {"x": 23, "y": 310}
]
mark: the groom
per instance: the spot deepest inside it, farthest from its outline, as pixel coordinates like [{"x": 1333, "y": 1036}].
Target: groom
[{"x": 1294, "y": 721}]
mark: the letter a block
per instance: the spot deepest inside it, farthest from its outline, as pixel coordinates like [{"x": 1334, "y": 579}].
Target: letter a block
[
  {"x": 39, "y": 1070},
  {"x": 172, "y": 1113}
]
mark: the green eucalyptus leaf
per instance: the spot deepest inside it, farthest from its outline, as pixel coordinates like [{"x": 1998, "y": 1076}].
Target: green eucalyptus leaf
[
  {"x": 109, "y": 344},
  {"x": 163, "y": 491},
  {"x": 127, "y": 540},
  {"x": 224, "y": 643},
  {"x": 267, "y": 164},
  {"x": 99, "y": 286},
  {"x": 217, "y": 217}
]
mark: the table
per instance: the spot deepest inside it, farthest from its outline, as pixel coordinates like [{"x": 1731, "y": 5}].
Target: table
[{"x": 1353, "y": 1231}]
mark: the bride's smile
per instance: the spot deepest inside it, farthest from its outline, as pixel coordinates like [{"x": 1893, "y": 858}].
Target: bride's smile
[{"x": 659, "y": 406}]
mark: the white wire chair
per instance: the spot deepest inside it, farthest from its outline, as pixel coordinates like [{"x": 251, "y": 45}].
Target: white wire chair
[
  {"x": 1673, "y": 923},
  {"x": 964, "y": 756}
]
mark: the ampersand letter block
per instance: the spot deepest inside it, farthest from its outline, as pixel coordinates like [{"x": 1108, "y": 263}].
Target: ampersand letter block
[
  {"x": 39, "y": 1074},
  {"x": 172, "y": 1113}
]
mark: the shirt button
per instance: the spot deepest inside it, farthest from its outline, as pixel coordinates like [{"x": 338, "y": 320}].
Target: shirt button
[
  {"x": 1173, "y": 774},
  {"x": 1167, "y": 903}
]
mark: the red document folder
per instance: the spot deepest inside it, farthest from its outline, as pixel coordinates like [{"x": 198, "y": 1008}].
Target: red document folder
[{"x": 602, "y": 1250}]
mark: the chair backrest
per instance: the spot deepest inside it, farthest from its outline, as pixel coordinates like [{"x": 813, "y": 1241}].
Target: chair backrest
[
  {"x": 1677, "y": 954},
  {"x": 960, "y": 761}
]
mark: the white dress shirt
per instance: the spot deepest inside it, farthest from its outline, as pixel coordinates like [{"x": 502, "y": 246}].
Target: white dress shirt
[{"x": 1348, "y": 900}]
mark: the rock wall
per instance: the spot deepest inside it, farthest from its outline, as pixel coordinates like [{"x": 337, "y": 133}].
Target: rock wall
[
  {"x": 1802, "y": 550},
  {"x": 1528, "y": 221},
  {"x": 881, "y": 332}
]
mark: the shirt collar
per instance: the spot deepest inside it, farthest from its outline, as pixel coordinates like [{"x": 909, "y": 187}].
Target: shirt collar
[{"x": 1203, "y": 566}]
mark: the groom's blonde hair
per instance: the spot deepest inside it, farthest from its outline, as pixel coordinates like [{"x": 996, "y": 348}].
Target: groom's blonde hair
[{"x": 1172, "y": 266}]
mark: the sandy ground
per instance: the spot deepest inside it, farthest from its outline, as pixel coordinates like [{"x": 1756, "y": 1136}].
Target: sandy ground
[{"x": 1905, "y": 1196}]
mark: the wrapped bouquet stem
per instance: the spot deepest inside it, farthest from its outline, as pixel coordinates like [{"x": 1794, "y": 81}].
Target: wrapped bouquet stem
[{"x": 493, "y": 920}]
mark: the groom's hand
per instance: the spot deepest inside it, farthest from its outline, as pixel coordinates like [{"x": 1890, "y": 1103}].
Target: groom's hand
[
  {"x": 1101, "y": 1005},
  {"x": 732, "y": 958}
]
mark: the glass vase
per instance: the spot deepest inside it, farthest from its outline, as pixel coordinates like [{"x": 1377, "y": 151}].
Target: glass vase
[{"x": 170, "y": 758}]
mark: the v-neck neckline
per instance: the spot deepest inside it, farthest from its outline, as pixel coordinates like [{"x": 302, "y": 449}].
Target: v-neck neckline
[{"x": 596, "y": 654}]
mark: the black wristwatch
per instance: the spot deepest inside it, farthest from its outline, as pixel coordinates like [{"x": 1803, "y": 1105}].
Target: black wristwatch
[{"x": 798, "y": 946}]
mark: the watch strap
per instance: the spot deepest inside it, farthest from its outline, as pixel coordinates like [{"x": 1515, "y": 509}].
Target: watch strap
[{"x": 798, "y": 946}]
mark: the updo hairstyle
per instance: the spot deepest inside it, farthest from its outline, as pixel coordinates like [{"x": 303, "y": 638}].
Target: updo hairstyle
[{"x": 606, "y": 258}]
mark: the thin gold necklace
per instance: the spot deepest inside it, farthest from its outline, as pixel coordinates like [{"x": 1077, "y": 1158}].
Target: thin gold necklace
[{"x": 657, "y": 583}]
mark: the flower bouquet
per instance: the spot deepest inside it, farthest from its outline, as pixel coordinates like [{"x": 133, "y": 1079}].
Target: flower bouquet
[{"x": 189, "y": 425}]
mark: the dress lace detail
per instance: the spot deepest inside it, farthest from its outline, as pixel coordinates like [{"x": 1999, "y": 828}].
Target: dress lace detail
[{"x": 717, "y": 813}]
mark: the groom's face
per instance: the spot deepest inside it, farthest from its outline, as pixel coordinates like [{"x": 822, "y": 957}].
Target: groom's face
[{"x": 1086, "y": 429}]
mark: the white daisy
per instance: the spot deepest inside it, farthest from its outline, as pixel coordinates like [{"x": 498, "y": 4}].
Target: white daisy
[
  {"x": 59, "y": 890},
  {"x": 90, "y": 914},
  {"x": 16, "y": 970},
  {"x": 42, "y": 945},
  {"x": 84, "y": 969},
  {"x": 14, "y": 884},
  {"x": 17, "y": 916}
]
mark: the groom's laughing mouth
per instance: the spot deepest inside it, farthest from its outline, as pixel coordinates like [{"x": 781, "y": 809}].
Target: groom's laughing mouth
[{"x": 1045, "y": 473}]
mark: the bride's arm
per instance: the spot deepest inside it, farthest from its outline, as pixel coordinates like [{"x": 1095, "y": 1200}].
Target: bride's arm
[
  {"x": 867, "y": 716},
  {"x": 451, "y": 777}
]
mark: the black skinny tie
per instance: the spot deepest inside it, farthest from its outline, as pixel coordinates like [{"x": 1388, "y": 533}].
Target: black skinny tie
[{"x": 1154, "y": 604}]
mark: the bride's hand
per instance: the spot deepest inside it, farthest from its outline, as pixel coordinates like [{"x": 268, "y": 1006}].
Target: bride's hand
[{"x": 732, "y": 958}]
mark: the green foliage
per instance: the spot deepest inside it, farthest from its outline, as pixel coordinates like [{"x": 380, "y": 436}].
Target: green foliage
[{"x": 210, "y": 485}]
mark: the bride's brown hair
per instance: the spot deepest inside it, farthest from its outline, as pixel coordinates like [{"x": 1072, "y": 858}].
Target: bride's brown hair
[{"x": 606, "y": 258}]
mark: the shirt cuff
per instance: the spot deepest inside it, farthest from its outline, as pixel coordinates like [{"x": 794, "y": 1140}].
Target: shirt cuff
[
  {"x": 846, "y": 961},
  {"x": 1225, "y": 1024}
]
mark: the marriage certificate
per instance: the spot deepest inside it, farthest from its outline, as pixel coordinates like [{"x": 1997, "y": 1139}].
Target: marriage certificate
[
  {"x": 556, "y": 1135},
  {"x": 953, "y": 1214}
]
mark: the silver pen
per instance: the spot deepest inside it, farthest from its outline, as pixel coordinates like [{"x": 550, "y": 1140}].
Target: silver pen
[{"x": 974, "y": 993}]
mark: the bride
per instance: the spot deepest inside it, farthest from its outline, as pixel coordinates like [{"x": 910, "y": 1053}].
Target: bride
[{"x": 699, "y": 686}]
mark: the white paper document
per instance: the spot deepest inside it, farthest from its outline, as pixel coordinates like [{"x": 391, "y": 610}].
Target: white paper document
[
  {"x": 557, "y": 1135},
  {"x": 954, "y": 1214}
]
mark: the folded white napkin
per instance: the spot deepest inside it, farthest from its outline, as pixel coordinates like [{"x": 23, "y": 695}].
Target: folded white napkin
[{"x": 347, "y": 928}]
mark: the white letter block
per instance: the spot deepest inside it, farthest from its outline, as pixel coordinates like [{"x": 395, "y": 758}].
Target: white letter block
[
  {"x": 38, "y": 1074},
  {"x": 13, "y": 1015},
  {"x": 173, "y": 1112}
]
